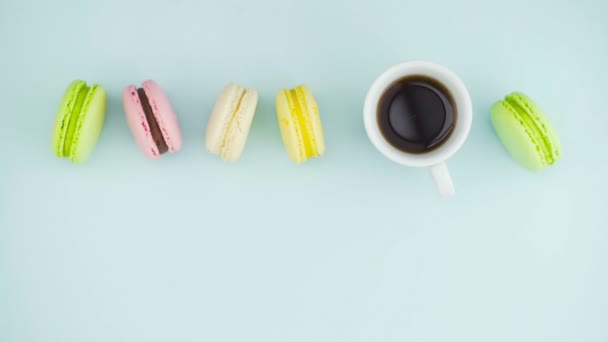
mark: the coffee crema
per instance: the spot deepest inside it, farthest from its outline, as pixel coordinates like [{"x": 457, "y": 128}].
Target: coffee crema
[{"x": 416, "y": 114}]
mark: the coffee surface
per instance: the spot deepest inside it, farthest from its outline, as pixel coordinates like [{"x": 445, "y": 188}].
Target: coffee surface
[{"x": 416, "y": 114}]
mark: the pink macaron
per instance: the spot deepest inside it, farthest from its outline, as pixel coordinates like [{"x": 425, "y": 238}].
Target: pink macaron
[{"x": 152, "y": 119}]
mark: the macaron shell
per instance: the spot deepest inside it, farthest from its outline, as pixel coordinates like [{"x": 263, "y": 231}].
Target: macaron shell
[
  {"x": 238, "y": 131},
  {"x": 542, "y": 121},
  {"x": 164, "y": 114},
  {"x": 221, "y": 116},
  {"x": 136, "y": 119},
  {"x": 89, "y": 125},
  {"x": 516, "y": 139},
  {"x": 290, "y": 130},
  {"x": 313, "y": 119},
  {"x": 63, "y": 116}
]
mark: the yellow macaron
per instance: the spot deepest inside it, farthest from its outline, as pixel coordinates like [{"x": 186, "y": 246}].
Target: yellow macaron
[{"x": 300, "y": 124}]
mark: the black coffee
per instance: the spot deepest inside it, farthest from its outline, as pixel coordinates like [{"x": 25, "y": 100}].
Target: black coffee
[{"x": 416, "y": 114}]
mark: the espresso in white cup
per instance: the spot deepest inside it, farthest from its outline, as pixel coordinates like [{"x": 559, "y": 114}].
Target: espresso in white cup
[{"x": 419, "y": 114}]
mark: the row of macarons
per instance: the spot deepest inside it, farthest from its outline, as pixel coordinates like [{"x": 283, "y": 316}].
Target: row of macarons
[
  {"x": 155, "y": 126},
  {"x": 520, "y": 123}
]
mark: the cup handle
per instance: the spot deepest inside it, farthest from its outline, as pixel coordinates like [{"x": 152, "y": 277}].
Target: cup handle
[{"x": 442, "y": 179}]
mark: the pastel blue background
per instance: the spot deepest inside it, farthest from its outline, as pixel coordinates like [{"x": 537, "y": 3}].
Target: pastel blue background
[{"x": 349, "y": 247}]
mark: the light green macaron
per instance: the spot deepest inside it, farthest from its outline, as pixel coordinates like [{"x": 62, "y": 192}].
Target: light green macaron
[
  {"x": 526, "y": 132},
  {"x": 79, "y": 121}
]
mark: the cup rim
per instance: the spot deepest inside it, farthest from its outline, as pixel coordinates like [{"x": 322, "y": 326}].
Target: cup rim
[{"x": 462, "y": 102}]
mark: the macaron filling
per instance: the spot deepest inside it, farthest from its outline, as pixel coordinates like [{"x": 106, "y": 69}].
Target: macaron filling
[
  {"x": 295, "y": 99},
  {"x": 155, "y": 130},
  {"x": 533, "y": 128},
  {"x": 73, "y": 119}
]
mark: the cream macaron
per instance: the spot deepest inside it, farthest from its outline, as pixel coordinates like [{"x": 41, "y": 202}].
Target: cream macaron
[{"x": 230, "y": 121}]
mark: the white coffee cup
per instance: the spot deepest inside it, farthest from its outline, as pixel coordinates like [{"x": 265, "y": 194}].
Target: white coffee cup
[{"x": 436, "y": 158}]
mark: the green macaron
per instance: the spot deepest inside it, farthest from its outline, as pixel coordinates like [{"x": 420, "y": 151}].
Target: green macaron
[
  {"x": 79, "y": 121},
  {"x": 525, "y": 131}
]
